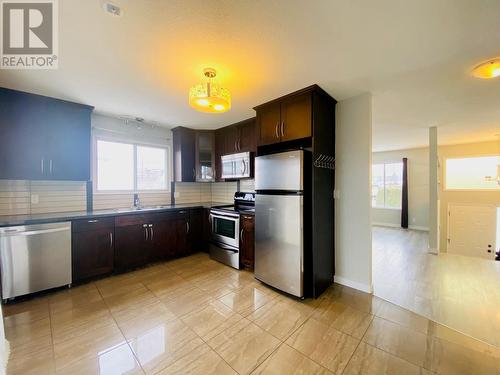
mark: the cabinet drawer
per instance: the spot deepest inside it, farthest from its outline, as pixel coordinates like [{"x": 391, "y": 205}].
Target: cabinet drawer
[
  {"x": 125, "y": 220},
  {"x": 83, "y": 225}
]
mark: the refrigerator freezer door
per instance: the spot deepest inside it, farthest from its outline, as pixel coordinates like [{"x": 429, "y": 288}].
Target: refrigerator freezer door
[
  {"x": 279, "y": 244},
  {"x": 283, "y": 171}
]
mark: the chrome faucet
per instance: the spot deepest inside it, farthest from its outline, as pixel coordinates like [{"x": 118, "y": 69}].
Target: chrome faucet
[{"x": 137, "y": 201}]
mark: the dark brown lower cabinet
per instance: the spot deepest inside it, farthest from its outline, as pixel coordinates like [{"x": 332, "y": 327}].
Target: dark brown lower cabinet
[
  {"x": 92, "y": 248},
  {"x": 132, "y": 246},
  {"x": 247, "y": 240}
]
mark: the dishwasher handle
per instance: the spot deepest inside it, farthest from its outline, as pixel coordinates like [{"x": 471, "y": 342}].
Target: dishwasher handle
[{"x": 14, "y": 232}]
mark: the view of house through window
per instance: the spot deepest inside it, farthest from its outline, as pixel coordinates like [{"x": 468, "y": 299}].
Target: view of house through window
[
  {"x": 130, "y": 167},
  {"x": 474, "y": 173},
  {"x": 387, "y": 185}
]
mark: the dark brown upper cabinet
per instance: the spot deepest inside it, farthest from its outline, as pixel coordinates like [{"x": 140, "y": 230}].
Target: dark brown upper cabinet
[
  {"x": 289, "y": 118},
  {"x": 194, "y": 155},
  {"x": 232, "y": 139},
  {"x": 43, "y": 138},
  {"x": 184, "y": 145}
]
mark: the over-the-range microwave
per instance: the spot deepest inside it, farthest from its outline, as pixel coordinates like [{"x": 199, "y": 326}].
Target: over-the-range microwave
[{"x": 236, "y": 165}]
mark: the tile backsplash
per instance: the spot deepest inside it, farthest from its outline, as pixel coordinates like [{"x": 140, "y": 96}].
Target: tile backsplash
[{"x": 21, "y": 197}]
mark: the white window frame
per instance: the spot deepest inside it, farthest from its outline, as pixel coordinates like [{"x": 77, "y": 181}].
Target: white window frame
[
  {"x": 105, "y": 138},
  {"x": 384, "y": 163},
  {"x": 472, "y": 156}
]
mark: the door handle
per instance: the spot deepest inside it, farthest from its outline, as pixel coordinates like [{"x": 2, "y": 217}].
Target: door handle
[
  {"x": 276, "y": 129},
  {"x": 151, "y": 232},
  {"x": 146, "y": 234},
  {"x": 241, "y": 234},
  {"x": 93, "y": 221},
  {"x": 239, "y": 144},
  {"x": 235, "y": 145},
  {"x": 41, "y": 165},
  {"x": 50, "y": 166},
  {"x": 187, "y": 226},
  {"x": 110, "y": 239},
  {"x": 282, "y": 128}
]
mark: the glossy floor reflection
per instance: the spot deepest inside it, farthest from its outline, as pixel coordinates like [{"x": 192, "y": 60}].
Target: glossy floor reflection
[
  {"x": 458, "y": 291},
  {"x": 196, "y": 316}
]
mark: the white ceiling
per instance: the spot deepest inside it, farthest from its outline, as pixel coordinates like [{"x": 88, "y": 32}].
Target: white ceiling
[{"x": 414, "y": 56}]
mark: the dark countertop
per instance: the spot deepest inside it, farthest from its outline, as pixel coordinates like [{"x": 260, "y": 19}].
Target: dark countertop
[{"x": 7, "y": 221}]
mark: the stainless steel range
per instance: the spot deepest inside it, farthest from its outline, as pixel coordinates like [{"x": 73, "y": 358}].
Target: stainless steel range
[{"x": 225, "y": 229}]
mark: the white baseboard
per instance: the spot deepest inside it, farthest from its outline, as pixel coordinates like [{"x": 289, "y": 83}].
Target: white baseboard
[
  {"x": 433, "y": 251},
  {"x": 392, "y": 225},
  {"x": 353, "y": 284}
]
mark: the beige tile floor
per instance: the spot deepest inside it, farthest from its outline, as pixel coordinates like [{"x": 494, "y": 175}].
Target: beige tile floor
[
  {"x": 196, "y": 316},
  {"x": 458, "y": 291}
]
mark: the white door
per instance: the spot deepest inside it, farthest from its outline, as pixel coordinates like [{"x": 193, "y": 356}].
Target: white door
[{"x": 472, "y": 230}]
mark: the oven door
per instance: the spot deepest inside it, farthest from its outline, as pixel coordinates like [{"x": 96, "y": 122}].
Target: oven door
[{"x": 225, "y": 229}]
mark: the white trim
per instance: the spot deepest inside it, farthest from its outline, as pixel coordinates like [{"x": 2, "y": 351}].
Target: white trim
[
  {"x": 367, "y": 288},
  {"x": 392, "y": 225},
  {"x": 433, "y": 251}
]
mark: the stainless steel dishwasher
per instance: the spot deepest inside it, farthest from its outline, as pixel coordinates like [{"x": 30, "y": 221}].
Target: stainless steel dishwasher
[{"x": 34, "y": 258}]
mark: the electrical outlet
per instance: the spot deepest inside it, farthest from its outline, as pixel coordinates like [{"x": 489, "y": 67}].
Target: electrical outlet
[
  {"x": 336, "y": 194},
  {"x": 35, "y": 199},
  {"x": 413, "y": 220},
  {"x": 176, "y": 194}
]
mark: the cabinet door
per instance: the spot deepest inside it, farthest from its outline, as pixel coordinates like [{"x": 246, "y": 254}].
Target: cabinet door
[
  {"x": 247, "y": 241},
  {"x": 205, "y": 159},
  {"x": 219, "y": 151},
  {"x": 68, "y": 134},
  {"x": 92, "y": 253},
  {"x": 196, "y": 231},
  {"x": 22, "y": 136},
  {"x": 231, "y": 140},
  {"x": 182, "y": 236},
  {"x": 184, "y": 154},
  {"x": 268, "y": 120},
  {"x": 132, "y": 246},
  {"x": 246, "y": 139},
  {"x": 296, "y": 117},
  {"x": 164, "y": 240}
]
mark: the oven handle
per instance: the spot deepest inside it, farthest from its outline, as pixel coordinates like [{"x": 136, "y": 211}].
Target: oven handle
[
  {"x": 225, "y": 247},
  {"x": 222, "y": 216}
]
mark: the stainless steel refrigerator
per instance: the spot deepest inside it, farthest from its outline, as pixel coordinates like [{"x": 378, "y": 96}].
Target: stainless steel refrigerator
[{"x": 279, "y": 220}]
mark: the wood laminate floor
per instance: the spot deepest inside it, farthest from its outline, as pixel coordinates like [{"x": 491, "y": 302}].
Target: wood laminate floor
[
  {"x": 457, "y": 291},
  {"x": 196, "y": 316}
]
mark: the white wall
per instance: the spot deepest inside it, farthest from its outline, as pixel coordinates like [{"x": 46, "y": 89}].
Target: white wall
[
  {"x": 418, "y": 189},
  {"x": 353, "y": 233}
]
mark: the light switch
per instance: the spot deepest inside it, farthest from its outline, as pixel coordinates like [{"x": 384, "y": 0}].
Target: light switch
[{"x": 34, "y": 199}]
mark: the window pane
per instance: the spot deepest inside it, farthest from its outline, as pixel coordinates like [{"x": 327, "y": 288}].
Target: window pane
[
  {"x": 151, "y": 168},
  {"x": 115, "y": 166},
  {"x": 393, "y": 185},
  {"x": 378, "y": 185},
  {"x": 478, "y": 173}
]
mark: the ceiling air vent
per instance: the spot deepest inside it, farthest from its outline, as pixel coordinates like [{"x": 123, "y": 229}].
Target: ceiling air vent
[{"x": 112, "y": 9}]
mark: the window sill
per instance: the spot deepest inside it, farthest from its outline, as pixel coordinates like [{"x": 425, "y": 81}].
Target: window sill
[
  {"x": 131, "y": 192},
  {"x": 387, "y": 208}
]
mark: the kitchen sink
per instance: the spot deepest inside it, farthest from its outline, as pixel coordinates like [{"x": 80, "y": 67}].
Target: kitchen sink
[{"x": 148, "y": 208}]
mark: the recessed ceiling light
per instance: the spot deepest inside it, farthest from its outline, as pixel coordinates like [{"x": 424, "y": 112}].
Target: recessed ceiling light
[{"x": 488, "y": 69}]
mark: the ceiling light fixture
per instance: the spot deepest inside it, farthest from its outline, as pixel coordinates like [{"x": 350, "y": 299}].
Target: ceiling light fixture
[
  {"x": 209, "y": 96},
  {"x": 488, "y": 69}
]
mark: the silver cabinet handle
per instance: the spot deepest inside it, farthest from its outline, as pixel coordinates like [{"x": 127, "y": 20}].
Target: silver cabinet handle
[
  {"x": 110, "y": 239},
  {"x": 194, "y": 173},
  {"x": 151, "y": 231},
  {"x": 282, "y": 128},
  {"x": 276, "y": 129},
  {"x": 93, "y": 221},
  {"x": 235, "y": 145},
  {"x": 146, "y": 233},
  {"x": 50, "y": 166},
  {"x": 187, "y": 226},
  {"x": 41, "y": 165},
  {"x": 241, "y": 234},
  {"x": 243, "y": 167},
  {"x": 182, "y": 212}
]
